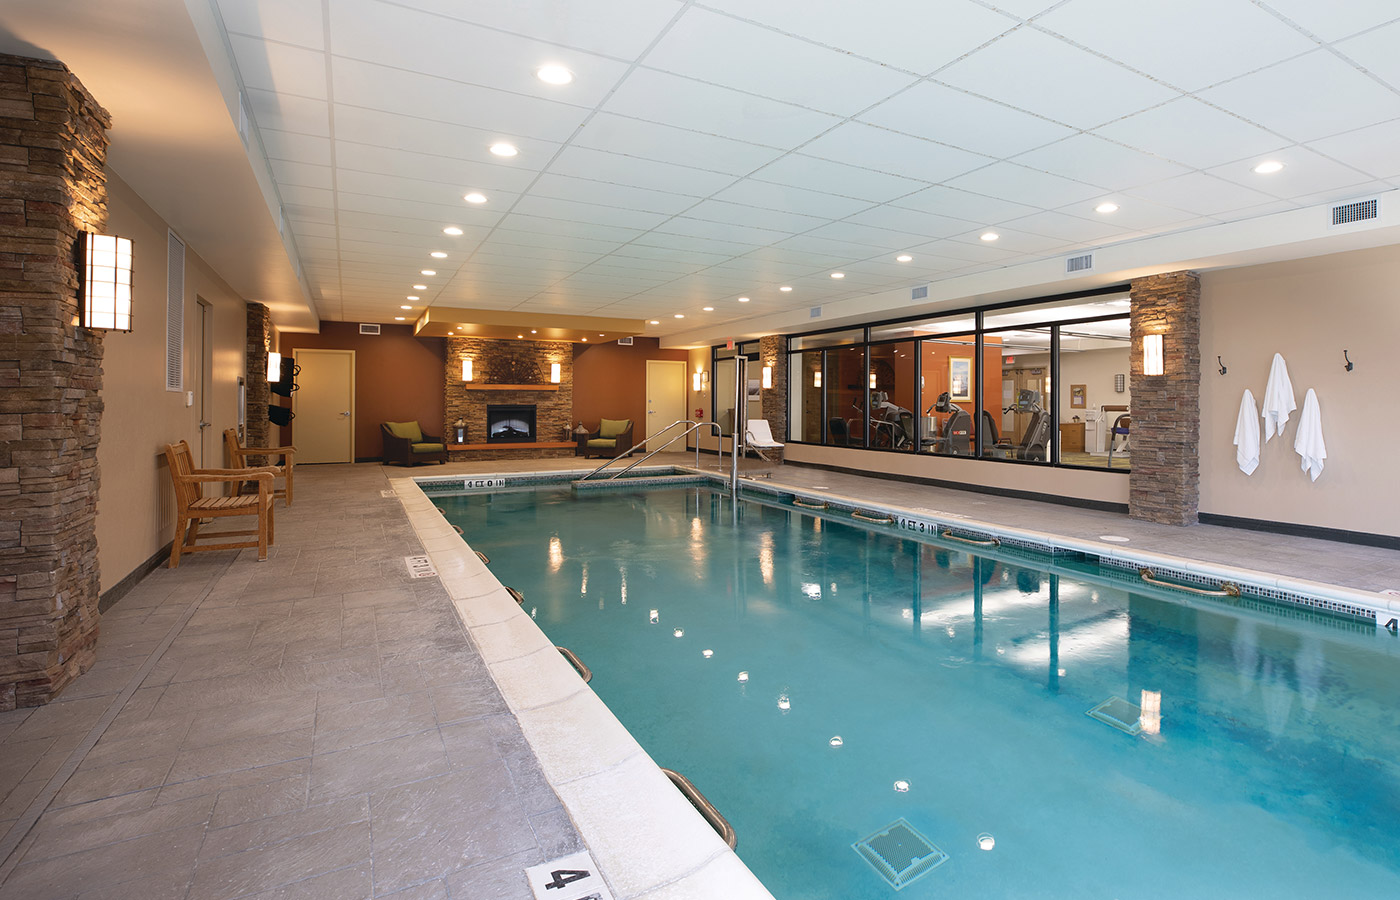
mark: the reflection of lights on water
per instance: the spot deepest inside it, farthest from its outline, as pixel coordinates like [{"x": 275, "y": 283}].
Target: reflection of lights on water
[
  {"x": 817, "y": 525},
  {"x": 534, "y": 612},
  {"x": 743, "y": 677},
  {"x": 600, "y": 602},
  {"x": 583, "y": 589},
  {"x": 1001, "y": 651},
  {"x": 655, "y": 617},
  {"x": 1005, "y": 576},
  {"x": 556, "y": 554},
  {"x": 679, "y": 632},
  {"x": 902, "y": 787},
  {"x": 986, "y": 841},
  {"x": 623, "y": 572},
  {"x": 836, "y": 741},
  {"x": 707, "y": 653},
  {"x": 1151, "y": 712},
  {"x": 907, "y": 614},
  {"x": 697, "y": 531},
  {"x": 784, "y": 702},
  {"x": 765, "y": 556},
  {"x": 812, "y": 591},
  {"x": 952, "y": 632},
  {"x": 833, "y": 587},
  {"x": 1060, "y": 672},
  {"x": 1094, "y": 596}
]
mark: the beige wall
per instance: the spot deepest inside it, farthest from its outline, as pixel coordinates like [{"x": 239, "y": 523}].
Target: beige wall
[
  {"x": 1309, "y": 311},
  {"x": 134, "y": 505}
]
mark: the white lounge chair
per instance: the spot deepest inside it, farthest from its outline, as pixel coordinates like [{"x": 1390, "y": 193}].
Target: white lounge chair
[{"x": 758, "y": 437}]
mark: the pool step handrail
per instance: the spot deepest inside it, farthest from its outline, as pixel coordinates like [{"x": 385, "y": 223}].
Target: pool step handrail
[
  {"x": 707, "y": 809},
  {"x": 572, "y": 658},
  {"x": 988, "y": 542},
  {"x": 516, "y": 595},
  {"x": 878, "y": 518},
  {"x": 694, "y": 426},
  {"x": 820, "y": 504},
  {"x": 485, "y": 560},
  {"x": 1226, "y": 589}
]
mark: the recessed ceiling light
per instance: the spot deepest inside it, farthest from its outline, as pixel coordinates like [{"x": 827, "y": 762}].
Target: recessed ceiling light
[
  {"x": 784, "y": 288},
  {"x": 411, "y": 297},
  {"x": 680, "y": 315},
  {"x": 654, "y": 322},
  {"x": 438, "y": 254},
  {"x": 475, "y": 197},
  {"x": 1268, "y": 167},
  {"x": 398, "y": 318},
  {"x": 533, "y": 331},
  {"x": 708, "y": 308},
  {"x": 990, "y": 235},
  {"x": 452, "y": 230},
  {"x": 520, "y": 337},
  {"x": 585, "y": 340},
  {"x": 1106, "y": 208},
  {"x": 504, "y": 149},
  {"x": 743, "y": 299},
  {"x": 600, "y": 334},
  {"x": 428, "y": 272},
  {"x": 554, "y": 74},
  {"x": 838, "y": 274},
  {"x": 903, "y": 257},
  {"x": 406, "y": 306},
  {"x": 420, "y": 287}
]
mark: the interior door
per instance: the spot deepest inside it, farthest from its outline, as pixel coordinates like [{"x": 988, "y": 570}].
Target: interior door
[
  {"x": 665, "y": 397},
  {"x": 324, "y": 405},
  {"x": 209, "y": 442}
]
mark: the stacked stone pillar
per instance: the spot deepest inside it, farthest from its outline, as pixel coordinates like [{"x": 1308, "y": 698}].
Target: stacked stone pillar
[
  {"x": 53, "y": 147},
  {"x": 1166, "y": 429},
  {"x": 258, "y": 427},
  {"x": 772, "y": 351}
]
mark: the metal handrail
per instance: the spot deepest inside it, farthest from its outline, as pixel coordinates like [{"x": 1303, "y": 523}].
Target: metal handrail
[
  {"x": 880, "y": 519},
  {"x": 1227, "y": 589},
  {"x": 797, "y": 501},
  {"x": 707, "y": 809},
  {"x": 990, "y": 542},
  {"x": 457, "y": 528},
  {"x": 483, "y": 557},
  {"x": 693, "y": 427},
  {"x": 572, "y": 658},
  {"x": 519, "y": 597}
]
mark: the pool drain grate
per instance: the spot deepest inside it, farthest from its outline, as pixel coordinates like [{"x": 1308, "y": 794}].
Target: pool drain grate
[
  {"x": 900, "y": 854},
  {"x": 1119, "y": 713}
]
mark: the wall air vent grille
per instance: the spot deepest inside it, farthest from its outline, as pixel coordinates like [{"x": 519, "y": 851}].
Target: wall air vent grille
[
  {"x": 814, "y": 313},
  {"x": 1084, "y": 262},
  {"x": 1356, "y": 211},
  {"x": 919, "y": 293},
  {"x": 625, "y": 341},
  {"x": 366, "y": 328},
  {"x": 174, "y": 313}
]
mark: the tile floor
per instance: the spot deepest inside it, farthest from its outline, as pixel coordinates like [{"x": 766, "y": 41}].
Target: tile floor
[{"x": 320, "y": 725}]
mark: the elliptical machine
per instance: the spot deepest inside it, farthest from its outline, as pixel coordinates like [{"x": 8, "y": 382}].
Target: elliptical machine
[{"x": 955, "y": 437}]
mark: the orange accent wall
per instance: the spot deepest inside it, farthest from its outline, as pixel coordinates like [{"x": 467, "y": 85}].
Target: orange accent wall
[
  {"x": 398, "y": 377},
  {"x": 610, "y": 381}
]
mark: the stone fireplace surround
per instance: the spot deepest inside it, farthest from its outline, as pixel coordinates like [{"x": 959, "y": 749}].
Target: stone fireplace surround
[{"x": 509, "y": 373}]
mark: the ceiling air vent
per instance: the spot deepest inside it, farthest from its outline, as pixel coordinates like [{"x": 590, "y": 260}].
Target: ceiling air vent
[
  {"x": 1354, "y": 211},
  {"x": 919, "y": 293},
  {"x": 368, "y": 329},
  {"x": 1074, "y": 265},
  {"x": 814, "y": 313},
  {"x": 625, "y": 341}
]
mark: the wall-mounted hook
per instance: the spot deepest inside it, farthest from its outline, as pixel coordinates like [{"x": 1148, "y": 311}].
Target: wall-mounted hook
[
  {"x": 1222, "y": 365},
  {"x": 1348, "y": 359}
]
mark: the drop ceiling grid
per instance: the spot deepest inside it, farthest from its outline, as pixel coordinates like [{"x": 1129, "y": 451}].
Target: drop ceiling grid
[{"x": 854, "y": 166}]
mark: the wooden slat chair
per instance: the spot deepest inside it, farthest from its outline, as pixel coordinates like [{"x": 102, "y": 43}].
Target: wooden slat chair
[
  {"x": 192, "y": 506},
  {"x": 238, "y": 458}
]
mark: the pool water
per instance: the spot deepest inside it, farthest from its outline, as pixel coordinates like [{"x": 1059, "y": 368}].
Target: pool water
[{"x": 1265, "y": 763}]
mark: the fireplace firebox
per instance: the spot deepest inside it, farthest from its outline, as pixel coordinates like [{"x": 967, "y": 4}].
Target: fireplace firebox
[{"x": 510, "y": 424}]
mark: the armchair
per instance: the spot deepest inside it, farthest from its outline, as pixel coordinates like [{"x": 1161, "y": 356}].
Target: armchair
[
  {"x": 612, "y": 437},
  {"x": 238, "y": 458},
  {"x": 406, "y": 444},
  {"x": 193, "y": 508}
]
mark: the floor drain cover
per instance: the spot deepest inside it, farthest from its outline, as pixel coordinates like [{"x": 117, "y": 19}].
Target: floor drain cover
[
  {"x": 900, "y": 854},
  {"x": 1119, "y": 713}
]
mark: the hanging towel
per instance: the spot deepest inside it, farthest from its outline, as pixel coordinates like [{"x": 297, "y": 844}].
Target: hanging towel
[
  {"x": 1278, "y": 399},
  {"x": 1247, "y": 434},
  {"x": 1309, "y": 443}
]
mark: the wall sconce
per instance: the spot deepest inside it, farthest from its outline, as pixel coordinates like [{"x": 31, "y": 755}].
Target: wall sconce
[
  {"x": 106, "y": 284},
  {"x": 767, "y": 377},
  {"x": 817, "y": 379},
  {"x": 274, "y": 367},
  {"x": 1152, "y": 354},
  {"x": 695, "y": 382},
  {"x": 872, "y": 381},
  {"x": 554, "y": 373},
  {"x": 466, "y": 370}
]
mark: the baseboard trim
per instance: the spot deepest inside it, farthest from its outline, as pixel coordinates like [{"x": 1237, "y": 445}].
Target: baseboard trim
[
  {"x": 119, "y": 590},
  {"x": 1294, "y": 529}
]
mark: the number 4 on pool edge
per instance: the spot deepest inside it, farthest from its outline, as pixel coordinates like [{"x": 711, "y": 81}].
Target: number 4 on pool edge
[{"x": 566, "y": 877}]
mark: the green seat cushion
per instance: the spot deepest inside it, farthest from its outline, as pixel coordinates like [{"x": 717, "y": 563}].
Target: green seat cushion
[
  {"x": 613, "y": 428},
  {"x": 602, "y": 442},
  {"x": 428, "y": 448},
  {"x": 409, "y": 430}
]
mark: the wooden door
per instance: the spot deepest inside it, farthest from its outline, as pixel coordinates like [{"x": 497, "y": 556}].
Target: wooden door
[
  {"x": 665, "y": 399},
  {"x": 324, "y": 404}
]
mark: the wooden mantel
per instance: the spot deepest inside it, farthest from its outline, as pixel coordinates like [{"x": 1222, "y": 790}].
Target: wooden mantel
[{"x": 469, "y": 386}]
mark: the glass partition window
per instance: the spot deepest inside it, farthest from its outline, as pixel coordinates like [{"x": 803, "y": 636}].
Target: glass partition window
[
  {"x": 844, "y": 384},
  {"x": 805, "y": 379},
  {"x": 894, "y": 403},
  {"x": 1095, "y": 423},
  {"x": 950, "y": 372}
]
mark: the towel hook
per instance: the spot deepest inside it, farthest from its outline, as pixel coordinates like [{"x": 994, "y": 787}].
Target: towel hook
[
  {"x": 1222, "y": 365},
  {"x": 1348, "y": 359}
]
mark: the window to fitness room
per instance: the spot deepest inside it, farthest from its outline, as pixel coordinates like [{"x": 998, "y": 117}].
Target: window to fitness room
[{"x": 1049, "y": 385}]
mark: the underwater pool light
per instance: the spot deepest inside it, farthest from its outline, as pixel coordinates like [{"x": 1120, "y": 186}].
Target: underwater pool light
[
  {"x": 707, "y": 653},
  {"x": 902, "y": 787},
  {"x": 655, "y": 617},
  {"x": 986, "y": 841},
  {"x": 836, "y": 741},
  {"x": 679, "y": 632},
  {"x": 743, "y": 677},
  {"x": 783, "y": 702}
]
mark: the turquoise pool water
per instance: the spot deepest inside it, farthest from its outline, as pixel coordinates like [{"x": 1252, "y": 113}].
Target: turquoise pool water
[{"x": 1266, "y": 763}]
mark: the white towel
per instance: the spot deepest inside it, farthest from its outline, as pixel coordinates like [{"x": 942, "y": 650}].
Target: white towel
[
  {"x": 1309, "y": 443},
  {"x": 1247, "y": 434},
  {"x": 1278, "y": 399}
]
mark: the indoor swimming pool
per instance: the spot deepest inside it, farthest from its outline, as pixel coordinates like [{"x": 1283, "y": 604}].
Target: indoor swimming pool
[{"x": 874, "y": 711}]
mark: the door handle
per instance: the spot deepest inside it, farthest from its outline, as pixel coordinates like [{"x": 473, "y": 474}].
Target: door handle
[
  {"x": 204, "y": 425},
  {"x": 346, "y": 414}
]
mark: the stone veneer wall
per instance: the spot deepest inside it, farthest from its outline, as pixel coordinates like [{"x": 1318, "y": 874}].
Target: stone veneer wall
[
  {"x": 772, "y": 351},
  {"x": 53, "y": 146},
  {"x": 259, "y": 397},
  {"x": 508, "y": 362},
  {"x": 1164, "y": 484}
]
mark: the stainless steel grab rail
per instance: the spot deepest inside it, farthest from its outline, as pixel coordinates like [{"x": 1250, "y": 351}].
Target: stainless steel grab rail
[
  {"x": 797, "y": 501},
  {"x": 572, "y": 658},
  {"x": 694, "y": 426},
  {"x": 519, "y": 597},
  {"x": 707, "y": 809},
  {"x": 1227, "y": 588},
  {"x": 989, "y": 542},
  {"x": 880, "y": 519}
]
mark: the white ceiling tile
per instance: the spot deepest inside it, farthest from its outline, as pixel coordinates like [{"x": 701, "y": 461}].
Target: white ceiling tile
[
  {"x": 718, "y": 246},
  {"x": 1025, "y": 9},
  {"x": 1069, "y": 85},
  {"x": 784, "y": 255},
  {"x": 1304, "y": 173},
  {"x": 563, "y": 187},
  {"x": 1191, "y": 132},
  {"x": 1019, "y": 184},
  {"x": 710, "y": 109},
  {"x": 1011, "y": 241},
  {"x": 1187, "y": 43},
  {"x": 573, "y": 211},
  {"x": 445, "y": 199},
  {"x": 279, "y": 67},
  {"x": 863, "y": 145},
  {"x": 456, "y": 175},
  {"x": 636, "y": 253},
  {"x": 379, "y": 128},
  {"x": 303, "y": 148},
  {"x": 1375, "y": 52},
  {"x": 881, "y": 239},
  {"x": 534, "y": 231},
  {"x": 1332, "y": 21},
  {"x": 303, "y": 227},
  {"x": 1200, "y": 194},
  {"x": 911, "y": 34},
  {"x": 743, "y": 235},
  {"x": 302, "y": 197},
  {"x": 756, "y": 217},
  {"x": 946, "y": 201},
  {"x": 631, "y": 137},
  {"x": 751, "y": 192},
  {"x": 620, "y": 28},
  {"x": 475, "y": 222},
  {"x": 303, "y": 174},
  {"x": 1374, "y": 150},
  {"x": 778, "y": 65},
  {"x": 437, "y": 99},
  {"x": 284, "y": 112},
  {"x": 615, "y": 168},
  {"x": 1310, "y": 97},
  {"x": 926, "y": 225},
  {"x": 1094, "y": 160},
  {"x": 941, "y": 113},
  {"x": 1132, "y": 215},
  {"x": 835, "y": 250},
  {"x": 1337, "y": 195},
  {"x": 797, "y": 170},
  {"x": 290, "y": 21},
  {"x": 1066, "y": 227}
]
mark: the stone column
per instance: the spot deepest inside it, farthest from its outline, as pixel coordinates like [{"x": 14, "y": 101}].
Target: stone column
[
  {"x": 53, "y": 146},
  {"x": 1165, "y": 482},
  {"x": 772, "y": 351},
  {"x": 258, "y": 427}
]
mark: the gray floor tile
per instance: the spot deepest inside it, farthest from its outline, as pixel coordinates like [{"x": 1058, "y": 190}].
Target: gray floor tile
[
  {"x": 274, "y": 866},
  {"x": 377, "y": 766}
]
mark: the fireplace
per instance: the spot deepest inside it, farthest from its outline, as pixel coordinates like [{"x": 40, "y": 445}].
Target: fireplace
[{"x": 510, "y": 424}]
